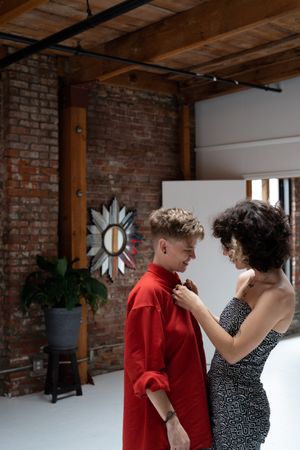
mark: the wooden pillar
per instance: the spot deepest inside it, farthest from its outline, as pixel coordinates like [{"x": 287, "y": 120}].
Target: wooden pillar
[
  {"x": 185, "y": 143},
  {"x": 73, "y": 201},
  {"x": 265, "y": 190},
  {"x": 249, "y": 189}
]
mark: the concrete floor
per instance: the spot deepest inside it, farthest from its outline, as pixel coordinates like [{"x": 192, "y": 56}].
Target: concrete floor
[{"x": 94, "y": 421}]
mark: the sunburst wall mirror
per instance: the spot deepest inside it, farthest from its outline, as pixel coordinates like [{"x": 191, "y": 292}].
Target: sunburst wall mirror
[{"x": 113, "y": 240}]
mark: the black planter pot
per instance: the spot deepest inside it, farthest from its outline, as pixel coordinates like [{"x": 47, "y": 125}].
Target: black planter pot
[{"x": 62, "y": 327}]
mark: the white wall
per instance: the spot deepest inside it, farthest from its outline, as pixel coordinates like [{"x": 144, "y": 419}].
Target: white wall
[
  {"x": 214, "y": 275},
  {"x": 251, "y": 132}
]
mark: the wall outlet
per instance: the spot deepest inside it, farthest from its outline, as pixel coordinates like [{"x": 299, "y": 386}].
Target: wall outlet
[{"x": 37, "y": 364}]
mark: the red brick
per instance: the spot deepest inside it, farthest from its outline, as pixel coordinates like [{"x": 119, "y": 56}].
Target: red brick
[{"x": 28, "y": 191}]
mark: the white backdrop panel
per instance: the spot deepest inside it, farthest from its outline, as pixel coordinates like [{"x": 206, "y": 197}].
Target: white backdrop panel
[{"x": 214, "y": 275}]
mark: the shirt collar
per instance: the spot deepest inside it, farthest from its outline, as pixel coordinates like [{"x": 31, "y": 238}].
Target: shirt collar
[{"x": 169, "y": 278}]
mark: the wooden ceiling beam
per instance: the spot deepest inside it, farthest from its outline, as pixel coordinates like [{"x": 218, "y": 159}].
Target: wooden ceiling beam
[
  {"x": 245, "y": 56},
  {"x": 3, "y": 51},
  {"x": 261, "y": 65},
  {"x": 278, "y": 71},
  {"x": 239, "y": 71},
  {"x": 204, "y": 24},
  {"x": 11, "y": 9},
  {"x": 145, "y": 81}
]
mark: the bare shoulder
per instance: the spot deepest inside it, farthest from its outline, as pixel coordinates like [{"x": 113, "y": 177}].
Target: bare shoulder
[
  {"x": 280, "y": 298},
  {"x": 282, "y": 293},
  {"x": 285, "y": 295},
  {"x": 285, "y": 301},
  {"x": 278, "y": 303}
]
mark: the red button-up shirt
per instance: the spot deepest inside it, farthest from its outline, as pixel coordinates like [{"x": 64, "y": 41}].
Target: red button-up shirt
[{"x": 163, "y": 350}]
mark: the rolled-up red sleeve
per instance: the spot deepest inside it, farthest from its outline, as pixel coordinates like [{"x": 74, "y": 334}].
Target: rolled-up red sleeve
[{"x": 145, "y": 349}]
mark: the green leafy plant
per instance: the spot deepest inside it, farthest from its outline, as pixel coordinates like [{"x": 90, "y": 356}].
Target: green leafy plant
[{"x": 58, "y": 284}]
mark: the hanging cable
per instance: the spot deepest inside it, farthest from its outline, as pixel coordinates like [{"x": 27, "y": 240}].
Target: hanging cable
[{"x": 88, "y": 9}]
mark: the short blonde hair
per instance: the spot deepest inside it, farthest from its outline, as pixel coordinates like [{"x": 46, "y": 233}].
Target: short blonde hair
[{"x": 175, "y": 223}]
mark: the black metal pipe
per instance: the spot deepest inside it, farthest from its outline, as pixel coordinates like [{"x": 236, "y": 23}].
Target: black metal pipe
[
  {"x": 73, "y": 30},
  {"x": 81, "y": 52}
]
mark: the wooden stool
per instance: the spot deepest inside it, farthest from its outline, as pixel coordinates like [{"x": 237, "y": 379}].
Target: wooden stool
[{"x": 56, "y": 384}]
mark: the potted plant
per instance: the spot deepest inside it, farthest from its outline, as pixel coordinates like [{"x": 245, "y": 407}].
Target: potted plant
[{"x": 58, "y": 287}]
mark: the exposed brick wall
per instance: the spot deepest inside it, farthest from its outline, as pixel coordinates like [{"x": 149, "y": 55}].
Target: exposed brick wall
[
  {"x": 2, "y": 221},
  {"x": 30, "y": 182},
  {"x": 133, "y": 145},
  {"x": 295, "y": 220}
]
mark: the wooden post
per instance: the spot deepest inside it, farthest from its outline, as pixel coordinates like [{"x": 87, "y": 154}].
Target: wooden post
[
  {"x": 73, "y": 201},
  {"x": 249, "y": 189},
  {"x": 185, "y": 143},
  {"x": 265, "y": 190}
]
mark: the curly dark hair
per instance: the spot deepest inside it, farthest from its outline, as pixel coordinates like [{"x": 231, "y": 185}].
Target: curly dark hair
[{"x": 262, "y": 230}]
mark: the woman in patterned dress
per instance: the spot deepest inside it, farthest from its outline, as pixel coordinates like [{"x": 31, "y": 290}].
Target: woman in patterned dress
[{"x": 255, "y": 236}]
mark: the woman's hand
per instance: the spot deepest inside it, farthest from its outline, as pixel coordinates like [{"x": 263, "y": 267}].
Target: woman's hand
[
  {"x": 191, "y": 285},
  {"x": 185, "y": 298}
]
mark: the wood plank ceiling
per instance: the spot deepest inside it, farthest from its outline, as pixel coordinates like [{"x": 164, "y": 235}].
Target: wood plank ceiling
[{"x": 245, "y": 40}]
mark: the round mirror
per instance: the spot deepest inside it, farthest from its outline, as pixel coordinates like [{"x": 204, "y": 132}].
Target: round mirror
[{"x": 114, "y": 240}]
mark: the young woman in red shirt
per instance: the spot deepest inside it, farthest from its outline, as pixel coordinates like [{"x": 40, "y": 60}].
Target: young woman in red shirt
[{"x": 165, "y": 397}]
